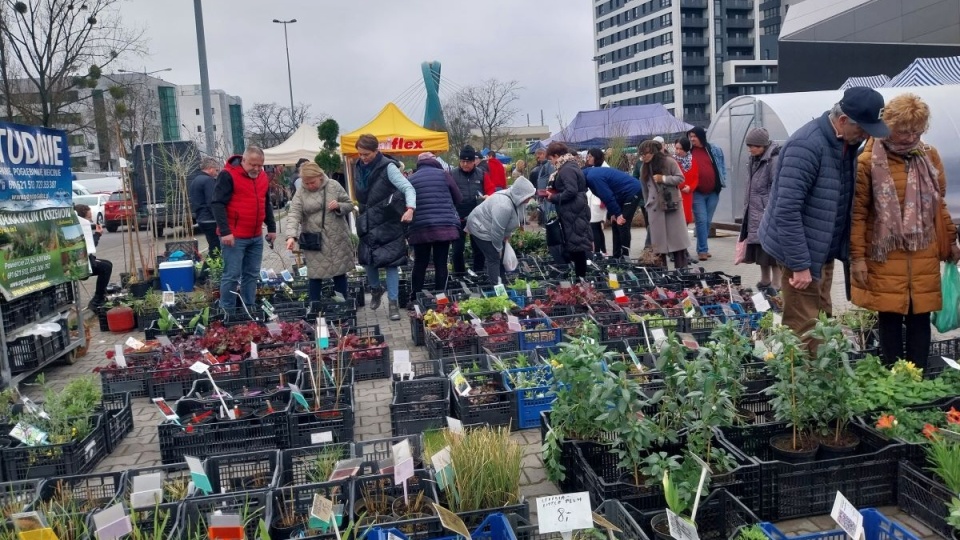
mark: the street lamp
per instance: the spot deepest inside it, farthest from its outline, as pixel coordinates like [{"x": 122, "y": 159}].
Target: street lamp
[{"x": 287, "y": 45}]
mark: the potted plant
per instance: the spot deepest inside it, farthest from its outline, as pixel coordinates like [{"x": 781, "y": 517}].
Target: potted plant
[
  {"x": 679, "y": 488},
  {"x": 634, "y": 432},
  {"x": 793, "y": 397},
  {"x": 749, "y": 532},
  {"x": 861, "y": 324},
  {"x": 833, "y": 378},
  {"x": 487, "y": 464},
  {"x": 287, "y": 520}
]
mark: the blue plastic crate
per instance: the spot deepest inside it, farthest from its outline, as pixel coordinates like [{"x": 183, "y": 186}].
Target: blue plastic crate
[
  {"x": 716, "y": 310},
  {"x": 531, "y": 401},
  {"x": 519, "y": 299},
  {"x": 493, "y": 527},
  {"x": 876, "y": 526},
  {"x": 531, "y": 338}
]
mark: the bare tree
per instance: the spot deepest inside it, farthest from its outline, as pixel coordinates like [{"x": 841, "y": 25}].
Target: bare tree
[
  {"x": 459, "y": 122},
  {"x": 60, "y": 46},
  {"x": 269, "y": 124},
  {"x": 490, "y": 107},
  {"x": 134, "y": 110}
]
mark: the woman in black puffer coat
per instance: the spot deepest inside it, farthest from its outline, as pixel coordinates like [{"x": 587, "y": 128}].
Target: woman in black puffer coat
[{"x": 567, "y": 188}]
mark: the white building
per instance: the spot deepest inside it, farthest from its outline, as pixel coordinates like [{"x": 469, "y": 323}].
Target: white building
[
  {"x": 690, "y": 55},
  {"x": 227, "y": 113}
]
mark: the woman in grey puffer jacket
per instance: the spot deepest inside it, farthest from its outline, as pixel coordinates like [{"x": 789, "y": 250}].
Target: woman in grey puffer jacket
[
  {"x": 495, "y": 219},
  {"x": 763, "y": 161}
]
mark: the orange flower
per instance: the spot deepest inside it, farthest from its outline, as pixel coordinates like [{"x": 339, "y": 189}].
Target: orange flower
[
  {"x": 930, "y": 431},
  {"x": 953, "y": 416},
  {"x": 887, "y": 421}
]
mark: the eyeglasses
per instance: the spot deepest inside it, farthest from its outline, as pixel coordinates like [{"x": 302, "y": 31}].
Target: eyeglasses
[{"x": 908, "y": 132}]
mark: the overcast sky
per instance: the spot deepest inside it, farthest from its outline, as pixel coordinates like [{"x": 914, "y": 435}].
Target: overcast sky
[{"x": 351, "y": 57}]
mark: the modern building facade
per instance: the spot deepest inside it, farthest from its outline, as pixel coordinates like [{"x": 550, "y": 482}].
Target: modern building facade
[
  {"x": 514, "y": 138},
  {"x": 824, "y": 42},
  {"x": 689, "y": 55},
  {"x": 227, "y": 113}
]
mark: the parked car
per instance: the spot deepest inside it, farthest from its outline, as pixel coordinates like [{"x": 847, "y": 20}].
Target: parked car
[
  {"x": 122, "y": 209},
  {"x": 97, "y": 203},
  {"x": 80, "y": 189}
]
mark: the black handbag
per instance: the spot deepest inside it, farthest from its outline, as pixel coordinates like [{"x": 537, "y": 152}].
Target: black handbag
[
  {"x": 314, "y": 241},
  {"x": 554, "y": 230}
]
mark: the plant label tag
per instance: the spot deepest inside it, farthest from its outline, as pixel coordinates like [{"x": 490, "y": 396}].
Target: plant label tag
[
  {"x": 168, "y": 298},
  {"x": 441, "y": 459},
  {"x": 32, "y": 526},
  {"x": 416, "y": 309},
  {"x": 112, "y": 523},
  {"x": 209, "y": 357},
  {"x": 225, "y": 527},
  {"x": 473, "y": 318},
  {"x": 529, "y": 292},
  {"x": 760, "y": 302},
  {"x": 345, "y": 468},
  {"x": 147, "y": 490},
  {"x": 703, "y": 283},
  {"x": 200, "y": 330},
  {"x": 471, "y": 273},
  {"x": 165, "y": 408},
  {"x": 401, "y": 364},
  {"x": 603, "y": 522},
  {"x": 951, "y": 363},
  {"x": 454, "y": 425},
  {"x": 134, "y": 343},
  {"x": 460, "y": 383},
  {"x": 777, "y": 320},
  {"x": 164, "y": 341},
  {"x": 499, "y": 289},
  {"x": 513, "y": 323},
  {"x": 451, "y": 521},
  {"x": 620, "y": 297},
  {"x": 118, "y": 356},
  {"x": 613, "y": 280},
  {"x": 402, "y": 471},
  {"x": 322, "y": 437},
  {"x": 401, "y": 451},
  {"x": 298, "y": 395},
  {"x": 302, "y": 271},
  {"x": 263, "y": 275},
  {"x": 274, "y": 329},
  {"x": 198, "y": 475},
  {"x": 564, "y": 513},
  {"x": 28, "y": 434},
  {"x": 271, "y": 273},
  {"x": 199, "y": 367},
  {"x": 565, "y": 285},
  {"x": 659, "y": 336},
  {"x": 480, "y": 330},
  {"x": 254, "y": 350},
  {"x": 689, "y": 307},
  {"x": 286, "y": 275},
  {"x": 847, "y": 516},
  {"x": 633, "y": 356},
  {"x": 680, "y": 528},
  {"x": 321, "y": 510},
  {"x": 632, "y": 276}
]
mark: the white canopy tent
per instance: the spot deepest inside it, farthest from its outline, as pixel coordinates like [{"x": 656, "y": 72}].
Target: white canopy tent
[
  {"x": 304, "y": 143},
  {"x": 782, "y": 114}
]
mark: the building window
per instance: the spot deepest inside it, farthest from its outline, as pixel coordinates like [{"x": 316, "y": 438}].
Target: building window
[
  {"x": 198, "y": 112},
  {"x": 76, "y": 140},
  {"x": 169, "y": 124},
  {"x": 78, "y": 162},
  {"x": 199, "y": 129}
]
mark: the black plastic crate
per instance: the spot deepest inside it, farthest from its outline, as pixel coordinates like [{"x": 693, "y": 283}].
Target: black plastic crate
[
  {"x": 368, "y": 364},
  {"x": 499, "y": 343},
  {"x": 97, "y": 491},
  {"x": 264, "y": 386},
  {"x": 47, "y": 461},
  {"x": 417, "y": 332},
  {"x": 470, "y": 363},
  {"x": 449, "y": 348},
  {"x": 175, "y": 383},
  {"x": 25, "y": 353},
  {"x": 252, "y": 506},
  {"x": 424, "y": 369},
  {"x": 215, "y": 436},
  {"x": 719, "y": 516},
  {"x": 867, "y": 478},
  {"x": 117, "y": 418},
  {"x": 613, "y": 511},
  {"x": 300, "y": 465},
  {"x": 298, "y": 500},
  {"x": 570, "y": 325},
  {"x": 336, "y": 416},
  {"x": 378, "y": 485},
  {"x": 17, "y": 496},
  {"x": 495, "y": 407},
  {"x": 271, "y": 365},
  {"x": 133, "y": 378},
  {"x": 17, "y": 313},
  {"x": 374, "y": 451},
  {"x": 247, "y": 471},
  {"x": 923, "y": 497},
  {"x": 419, "y": 405}
]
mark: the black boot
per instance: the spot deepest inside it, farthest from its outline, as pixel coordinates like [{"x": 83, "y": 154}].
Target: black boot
[
  {"x": 376, "y": 294},
  {"x": 95, "y": 303}
]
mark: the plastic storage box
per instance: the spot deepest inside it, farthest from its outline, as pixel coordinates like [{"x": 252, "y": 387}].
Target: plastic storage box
[{"x": 176, "y": 276}]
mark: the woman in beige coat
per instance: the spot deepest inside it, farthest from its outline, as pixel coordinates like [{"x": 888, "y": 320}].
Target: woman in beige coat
[
  {"x": 661, "y": 175},
  {"x": 321, "y": 208}
]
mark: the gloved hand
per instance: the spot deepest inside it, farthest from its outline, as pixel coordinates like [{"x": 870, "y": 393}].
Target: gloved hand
[{"x": 858, "y": 271}]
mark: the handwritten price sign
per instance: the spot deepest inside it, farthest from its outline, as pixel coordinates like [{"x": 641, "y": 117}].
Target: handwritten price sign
[{"x": 564, "y": 513}]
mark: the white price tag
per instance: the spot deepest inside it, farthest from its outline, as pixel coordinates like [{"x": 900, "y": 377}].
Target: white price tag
[
  {"x": 500, "y": 289},
  {"x": 254, "y": 350},
  {"x": 147, "y": 490},
  {"x": 847, "y": 516},
  {"x": 441, "y": 459},
  {"x": 680, "y": 528},
  {"x": 91, "y": 449},
  {"x": 168, "y": 298},
  {"x": 513, "y": 323},
  {"x": 199, "y": 367},
  {"x": 322, "y": 437},
  {"x": 401, "y": 451},
  {"x": 529, "y": 293},
  {"x": 112, "y": 523},
  {"x": 454, "y": 425},
  {"x": 134, "y": 343},
  {"x": 118, "y": 356},
  {"x": 564, "y": 513},
  {"x": 760, "y": 302},
  {"x": 416, "y": 309},
  {"x": 951, "y": 363},
  {"x": 302, "y": 271},
  {"x": 402, "y": 470},
  {"x": 659, "y": 336},
  {"x": 777, "y": 320},
  {"x": 618, "y": 294},
  {"x": 460, "y": 383},
  {"x": 401, "y": 364}
]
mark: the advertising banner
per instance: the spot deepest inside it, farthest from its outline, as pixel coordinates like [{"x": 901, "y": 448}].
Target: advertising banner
[{"x": 41, "y": 243}]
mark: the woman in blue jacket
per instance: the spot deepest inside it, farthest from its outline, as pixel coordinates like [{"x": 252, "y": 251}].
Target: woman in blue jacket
[{"x": 620, "y": 193}]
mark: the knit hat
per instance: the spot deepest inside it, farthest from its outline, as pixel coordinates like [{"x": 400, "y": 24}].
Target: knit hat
[
  {"x": 310, "y": 170},
  {"x": 468, "y": 153},
  {"x": 758, "y": 137},
  {"x": 426, "y": 155}
]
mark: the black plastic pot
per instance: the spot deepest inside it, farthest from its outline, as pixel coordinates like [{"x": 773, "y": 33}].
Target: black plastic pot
[{"x": 793, "y": 456}]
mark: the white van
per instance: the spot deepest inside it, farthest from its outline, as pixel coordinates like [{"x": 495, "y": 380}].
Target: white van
[{"x": 79, "y": 189}]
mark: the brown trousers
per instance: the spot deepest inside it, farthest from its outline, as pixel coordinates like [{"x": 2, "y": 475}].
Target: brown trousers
[{"x": 802, "y": 307}]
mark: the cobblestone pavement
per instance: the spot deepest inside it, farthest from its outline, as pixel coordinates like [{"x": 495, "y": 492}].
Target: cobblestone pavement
[{"x": 141, "y": 447}]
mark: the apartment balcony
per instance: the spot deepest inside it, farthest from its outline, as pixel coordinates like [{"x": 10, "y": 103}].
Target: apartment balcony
[
  {"x": 740, "y": 42},
  {"x": 699, "y": 4},
  {"x": 755, "y": 78},
  {"x": 694, "y": 41},
  {"x": 693, "y": 22},
  {"x": 694, "y": 61},
  {"x": 696, "y": 80},
  {"x": 739, "y": 4},
  {"x": 696, "y": 99},
  {"x": 732, "y": 22},
  {"x": 697, "y": 118}
]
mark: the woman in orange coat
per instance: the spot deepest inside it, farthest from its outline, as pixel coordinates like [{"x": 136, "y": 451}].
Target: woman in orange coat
[
  {"x": 691, "y": 176},
  {"x": 901, "y": 230}
]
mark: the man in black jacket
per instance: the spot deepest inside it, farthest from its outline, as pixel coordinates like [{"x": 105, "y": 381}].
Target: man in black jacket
[
  {"x": 201, "y": 195},
  {"x": 469, "y": 180}
]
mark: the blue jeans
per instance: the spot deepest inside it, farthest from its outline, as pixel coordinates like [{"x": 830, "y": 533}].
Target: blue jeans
[
  {"x": 241, "y": 267},
  {"x": 393, "y": 281},
  {"x": 704, "y": 205}
]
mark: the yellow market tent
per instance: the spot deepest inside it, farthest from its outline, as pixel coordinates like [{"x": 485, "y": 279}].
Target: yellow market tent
[{"x": 398, "y": 135}]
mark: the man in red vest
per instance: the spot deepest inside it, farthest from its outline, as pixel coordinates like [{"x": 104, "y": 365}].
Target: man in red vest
[
  {"x": 496, "y": 178},
  {"x": 241, "y": 207}
]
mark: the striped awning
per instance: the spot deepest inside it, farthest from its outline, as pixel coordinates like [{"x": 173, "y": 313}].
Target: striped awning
[
  {"x": 873, "y": 81},
  {"x": 928, "y": 72}
]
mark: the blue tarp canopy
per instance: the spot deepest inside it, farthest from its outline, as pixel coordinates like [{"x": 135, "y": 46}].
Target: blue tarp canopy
[
  {"x": 635, "y": 123},
  {"x": 503, "y": 158}
]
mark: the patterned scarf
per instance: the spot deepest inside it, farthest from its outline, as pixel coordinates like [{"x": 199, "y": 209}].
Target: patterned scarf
[
  {"x": 908, "y": 226},
  {"x": 685, "y": 162},
  {"x": 560, "y": 161}
]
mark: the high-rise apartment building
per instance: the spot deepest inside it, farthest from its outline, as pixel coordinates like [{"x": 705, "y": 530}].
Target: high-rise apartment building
[
  {"x": 690, "y": 55},
  {"x": 227, "y": 113}
]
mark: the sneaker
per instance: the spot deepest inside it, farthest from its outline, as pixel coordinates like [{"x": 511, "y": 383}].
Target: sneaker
[
  {"x": 394, "y": 310},
  {"x": 376, "y": 294}
]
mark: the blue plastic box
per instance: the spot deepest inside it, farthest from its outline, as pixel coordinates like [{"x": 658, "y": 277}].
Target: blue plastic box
[
  {"x": 176, "y": 276},
  {"x": 876, "y": 526}
]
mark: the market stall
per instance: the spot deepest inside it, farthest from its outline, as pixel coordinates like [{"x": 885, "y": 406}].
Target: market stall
[{"x": 303, "y": 143}]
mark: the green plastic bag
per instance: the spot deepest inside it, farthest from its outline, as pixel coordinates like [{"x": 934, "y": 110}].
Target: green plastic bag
[{"x": 948, "y": 318}]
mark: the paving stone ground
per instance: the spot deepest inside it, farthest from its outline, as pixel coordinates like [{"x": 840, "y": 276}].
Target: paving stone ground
[{"x": 141, "y": 447}]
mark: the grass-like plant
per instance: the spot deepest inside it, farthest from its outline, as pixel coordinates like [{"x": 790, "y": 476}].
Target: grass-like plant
[
  {"x": 486, "y": 464},
  {"x": 323, "y": 463}
]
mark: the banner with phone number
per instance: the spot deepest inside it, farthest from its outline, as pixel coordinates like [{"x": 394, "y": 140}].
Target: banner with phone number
[{"x": 41, "y": 243}]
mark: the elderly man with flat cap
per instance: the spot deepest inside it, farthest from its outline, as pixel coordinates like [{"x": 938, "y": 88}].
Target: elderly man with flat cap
[{"x": 806, "y": 226}]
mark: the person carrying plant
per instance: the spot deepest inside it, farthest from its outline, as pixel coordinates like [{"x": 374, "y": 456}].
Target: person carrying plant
[
  {"x": 495, "y": 220},
  {"x": 98, "y": 267},
  {"x": 241, "y": 206}
]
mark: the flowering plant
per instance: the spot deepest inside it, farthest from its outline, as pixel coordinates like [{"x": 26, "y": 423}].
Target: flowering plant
[{"x": 943, "y": 454}]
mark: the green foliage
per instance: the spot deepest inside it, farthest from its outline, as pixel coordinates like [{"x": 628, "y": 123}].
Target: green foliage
[
  {"x": 885, "y": 389},
  {"x": 943, "y": 455},
  {"x": 954, "y": 517},
  {"x": 529, "y": 243},
  {"x": 484, "y": 307},
  {"x": 633, "y": 432},
  {"x": 793, "y": 392},
  {"x": 753, "y": 532},
  {"x": 328, "y": 158},
  {"x": 833, "y": 380}
]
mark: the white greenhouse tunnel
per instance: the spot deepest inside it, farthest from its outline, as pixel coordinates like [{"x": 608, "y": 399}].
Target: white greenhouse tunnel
[{"x": 782, "y": 114}]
